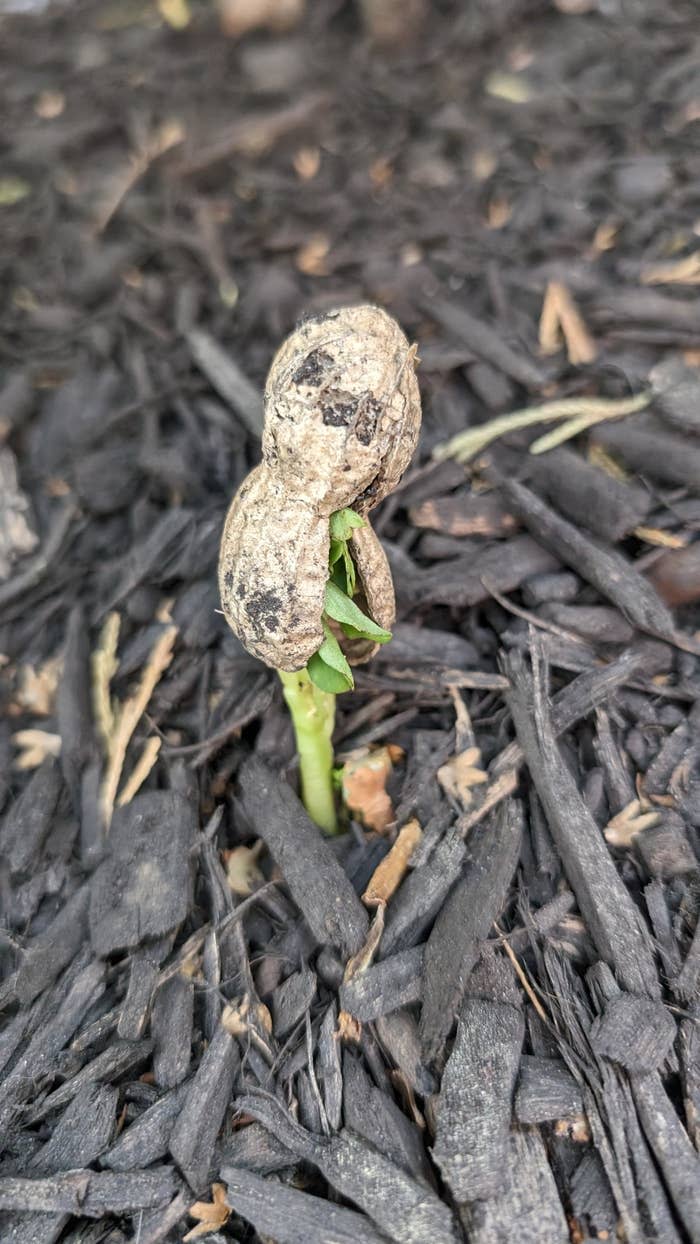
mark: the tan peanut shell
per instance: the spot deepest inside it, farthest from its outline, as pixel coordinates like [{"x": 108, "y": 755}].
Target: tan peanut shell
[{"x": 342, "y": 417}]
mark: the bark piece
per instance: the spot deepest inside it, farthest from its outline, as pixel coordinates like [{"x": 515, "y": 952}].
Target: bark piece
[
  {"x": 17, "y": 537},
  {"x": 171, "y": 1028},
  {"x": 587, "y": 495},
  {"x": 465, "y": 920},
  {"x": 634, "y": 1032},
  {"x": 291, "y": 1000},
  {"x": 293, "y": 1217},
  {"x": 546, "y": 1091},
  {"x": 613, "y": 921},
  {"x": 384, "y": 987},
  {"x": 146, "y": 1140},
  {"x": 194, "y": 1136},
  {"x": 475, "y": 1102},
  {"x": 316, "y": 881},
  {"x": 606, "y": 569},
  {"x": 142, "y": 889},
  {"x": 528, "y": 1198}
]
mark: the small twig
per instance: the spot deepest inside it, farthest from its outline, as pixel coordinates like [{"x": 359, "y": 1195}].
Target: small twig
[
  {"x": 141, "y": 770},
  {"x": 522, "y": 975},
  {"x": 560, "y": 316},
  {"x": 525, "y": 614},
  {"x": 581, "y": 412},
  {"x": 104, "y": 667},
  {"x": 169, "y": 135},
  {"x": 128, "y": 717}
]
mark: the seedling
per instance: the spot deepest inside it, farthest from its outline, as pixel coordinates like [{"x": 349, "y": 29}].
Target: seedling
[{"x": 304, "y": 582}]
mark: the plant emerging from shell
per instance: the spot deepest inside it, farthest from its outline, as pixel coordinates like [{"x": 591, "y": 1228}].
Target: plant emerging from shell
[{"x": 304, "y": 581}]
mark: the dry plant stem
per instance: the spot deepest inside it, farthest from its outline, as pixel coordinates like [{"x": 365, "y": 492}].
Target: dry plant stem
[
  {"x": 313, "y": 716},
  {"x": 580, "y": 412}
]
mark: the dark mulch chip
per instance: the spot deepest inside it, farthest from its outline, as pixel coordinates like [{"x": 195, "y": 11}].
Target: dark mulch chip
[
  {"x": 146, "y": 1140},
  {"x": 634, "y": 1032},
  {"x": 316, "y": 881},
  {"x": 292, "y": 1216},
  {"x": 142, "y": 889},
  {"x": 193, "y": 1138},
  {"x": 465, "y": 920},
  {"x": 196, "y": 992},
  {"x": 546, "y": 1090},
  {"x": 475, "y": 1103}
]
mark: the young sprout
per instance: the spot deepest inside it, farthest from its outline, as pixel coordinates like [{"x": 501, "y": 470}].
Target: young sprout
[{"x": 304, "y": 581}]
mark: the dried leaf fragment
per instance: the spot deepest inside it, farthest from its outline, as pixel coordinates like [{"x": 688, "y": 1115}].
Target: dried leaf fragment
[
  {"x": 577, "y": 414},
  {"x": 37, "y": 686},
  {"x": 460, "y": 774},
  {"x": 210, "y": 1215},
  {"x": 390, "y": 872},
  {"x": 393, "y": 22},
  {"x": 365, "y": 956},
  {"x": 307, "y": 162},
  {"x": 35, "y": 746},
  {"x": 625, "y": 825},
  {"x": 311, "y": 257},
  {"x": 242, "y": 871},
  {"x": 176, "y": 13},
  {"x": 140, "y": 771},
  {"x": 364, "y": 788},
  {"x": 104, "y": 667}
]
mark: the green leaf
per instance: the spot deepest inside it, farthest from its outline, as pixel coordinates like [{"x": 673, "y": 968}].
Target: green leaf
[
  {"x": 337, "y": 551},
  {"x": 344, "y": 522},
  {"x": 326, "y": 678},
  {"x": 350, "y": 578},
  {"x": 342, "y": 568},
  {"x": 329, "y": 668},
  {"x": 343, "y": 610}
]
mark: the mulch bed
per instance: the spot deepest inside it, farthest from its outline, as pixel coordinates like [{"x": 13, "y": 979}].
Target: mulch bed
[{"x": 518, "y": 1056}]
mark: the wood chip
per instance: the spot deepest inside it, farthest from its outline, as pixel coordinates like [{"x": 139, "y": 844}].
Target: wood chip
[{"x": 388, "y": 874}]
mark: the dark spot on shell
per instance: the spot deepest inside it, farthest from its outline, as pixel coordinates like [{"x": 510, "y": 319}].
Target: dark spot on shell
[
  {"x": 367, "y": 494},
  {"x": 228, "y": 579},
  {"x": 338, "y": 409},
  {"x": 319, "y": 318},
  {"x": 240, "y": 590},
  {"x": 311, "y": 370},
  {"x": 366, "y": 423},
  {"x": 262, "y": 608}
]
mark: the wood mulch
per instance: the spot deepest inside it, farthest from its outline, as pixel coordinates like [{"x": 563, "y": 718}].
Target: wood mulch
[{"x": 203, "y": 1027}]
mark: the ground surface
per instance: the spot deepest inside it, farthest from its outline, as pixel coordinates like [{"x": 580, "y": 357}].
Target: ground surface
[{"x": 164, "y": 192}]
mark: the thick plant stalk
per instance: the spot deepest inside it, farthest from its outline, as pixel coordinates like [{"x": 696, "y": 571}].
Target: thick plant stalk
[{"x": 313, "y": 716}]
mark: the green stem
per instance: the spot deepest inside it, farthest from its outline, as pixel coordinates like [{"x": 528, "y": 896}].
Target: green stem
[{"x": 313, "y": 717}]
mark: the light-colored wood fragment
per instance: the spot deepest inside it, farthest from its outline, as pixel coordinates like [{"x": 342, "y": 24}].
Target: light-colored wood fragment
[
  {"x": 623, "y": 828},
  {"x": 34, "y": 746},
  {"x": 561, "y": 317},
  {"x": 140, "y": 771},
  {"x": 389, "y": 873},
  {"x": 104, "y": 667},
  {"x": 238, "y": 17},
  {"x": 128, "y": 717}
]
